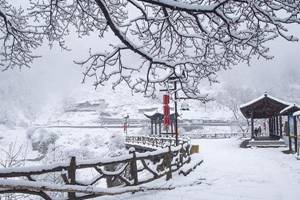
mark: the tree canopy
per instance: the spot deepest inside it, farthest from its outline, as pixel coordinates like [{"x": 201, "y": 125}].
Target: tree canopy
[{"x": 167, "y": 36}]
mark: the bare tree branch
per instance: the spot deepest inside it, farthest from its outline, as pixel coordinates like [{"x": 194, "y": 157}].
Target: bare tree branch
[{"x": 163, "y": 36}]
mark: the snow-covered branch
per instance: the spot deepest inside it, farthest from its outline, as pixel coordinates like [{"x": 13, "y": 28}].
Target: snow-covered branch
[
  {"x": 158, "y": 37},
  {"x": 17, "y": 38}
]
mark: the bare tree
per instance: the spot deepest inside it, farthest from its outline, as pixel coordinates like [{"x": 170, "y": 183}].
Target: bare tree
[
  {"x": 233, "y": 96},
  {"x": 198, "y": 37}
]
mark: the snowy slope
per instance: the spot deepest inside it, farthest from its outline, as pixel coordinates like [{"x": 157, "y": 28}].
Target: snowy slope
[{"x": 89, "y": 107}]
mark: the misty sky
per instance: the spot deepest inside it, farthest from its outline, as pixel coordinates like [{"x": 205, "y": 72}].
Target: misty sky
[{"x": 264, "y": 74}]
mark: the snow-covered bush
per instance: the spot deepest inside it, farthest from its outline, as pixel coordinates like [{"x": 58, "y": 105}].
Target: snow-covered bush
[
  {"x": 41, "y": 139},
  {"x": 116, "y": 144}
]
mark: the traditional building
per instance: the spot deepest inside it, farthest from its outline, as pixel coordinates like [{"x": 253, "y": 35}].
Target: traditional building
[
  {"x": 156, "y": 120},
  {"x": 269, "y": 108}
]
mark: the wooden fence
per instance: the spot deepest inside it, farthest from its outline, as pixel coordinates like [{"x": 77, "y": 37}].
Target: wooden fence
[
  {"x": 213, "y": 135},
  {"x": 128, "y": 170},
  {"x": 154, "y": 142}
]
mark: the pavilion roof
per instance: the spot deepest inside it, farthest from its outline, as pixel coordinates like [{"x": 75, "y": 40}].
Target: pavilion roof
[
  {"x": 297, "y": 113},
  {"x": 290, "y": 109},
  {"x": 265, "y": 106},
  {"x": 156, "y": 115}
]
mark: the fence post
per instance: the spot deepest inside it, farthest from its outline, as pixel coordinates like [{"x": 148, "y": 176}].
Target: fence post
[
  {"x": 133, "y": 166},
  {"x": 169, "y": 163},
  {"x": 72, "y": 176}
]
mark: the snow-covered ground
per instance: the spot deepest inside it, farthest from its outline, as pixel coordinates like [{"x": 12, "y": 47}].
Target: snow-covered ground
[
  {"x": 36, "y": 146},
  {"x": 229, "y": 173}
]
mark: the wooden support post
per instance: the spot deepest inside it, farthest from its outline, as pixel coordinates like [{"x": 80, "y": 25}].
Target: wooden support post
[
  {"x": 72, "y": 176},
  {"x": 159, "y": 127},
  {"x": 277, "y": 125},
  {"x": 289, "y": 135},
  {"x": 275, "y": 131},
  {"x": 155, "y": 127},
  {"x": 252, "y": 127},
  {"x": 169, "y": 163},
  {"x": 270, "y": 126},
  {"x": 295, "y": 133},
  {"x": 151, "y": 127},
  {"x": 280, "y": 126},
  {"x": 273, "y": 124},
  {"x": 133, "y": 167}
]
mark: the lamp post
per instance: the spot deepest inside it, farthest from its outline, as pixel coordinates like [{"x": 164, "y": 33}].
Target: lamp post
[{"x": 175, "y": 79}]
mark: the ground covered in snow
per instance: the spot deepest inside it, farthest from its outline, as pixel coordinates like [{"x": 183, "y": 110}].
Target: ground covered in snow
[
  {"x": 230, "y": 172},
  {"x": 37, "y": 146}
]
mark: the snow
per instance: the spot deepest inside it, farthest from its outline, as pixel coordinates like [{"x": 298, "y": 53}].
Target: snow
[
  {"x": 262, "y": 97},
  {"x": 188, "y": 6},
  {"x": 230, "y": 172},
  {"x": 296, "y": 113},
  {"x": 289, "y": 107},
  {"x": 64, "y": 188},
  {"x": 84, "y": 163}
]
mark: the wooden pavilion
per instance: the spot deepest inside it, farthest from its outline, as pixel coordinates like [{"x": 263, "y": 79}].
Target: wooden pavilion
[
  {"x": 156, "y": 120},
  {"x": 265, "y": 107},
  {"x": 291, "y": 125}
]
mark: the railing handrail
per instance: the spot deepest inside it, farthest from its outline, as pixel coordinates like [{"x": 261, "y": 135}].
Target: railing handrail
[{"x": 37, "y": 170}]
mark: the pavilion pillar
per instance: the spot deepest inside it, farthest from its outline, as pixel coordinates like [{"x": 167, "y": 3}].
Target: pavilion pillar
[
  {"x": 274, "y": 125},
  {"x": 270, "y": 126},
  {"x": 289, "y": 134},
  {"x": 159, "y": 127},
  {"x": 295, "y": 133},
  {"x": 252, "y": 127},
  {"x": 152, "y": 127},
  {"x": 280, "y": 126},
  {"x": 269, "y": 122},
  {"x": 155, "y": 127},
  {"x": 277, "y": 125}
]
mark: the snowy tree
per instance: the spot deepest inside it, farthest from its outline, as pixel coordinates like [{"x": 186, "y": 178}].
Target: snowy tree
[
  {"x": 17, "y": 37},
  {"x": 233, "y": 96},
  {"x": 165, "y": 36}
]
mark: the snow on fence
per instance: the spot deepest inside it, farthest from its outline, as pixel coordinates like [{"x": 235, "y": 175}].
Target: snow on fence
[
  {"x": 213, "y": 135},
  {"x": 153, "y": 142},
  {"x": 128, "y": 170}
]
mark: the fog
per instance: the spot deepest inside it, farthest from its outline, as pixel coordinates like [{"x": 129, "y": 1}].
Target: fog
[{"x": 272, "y": 76}]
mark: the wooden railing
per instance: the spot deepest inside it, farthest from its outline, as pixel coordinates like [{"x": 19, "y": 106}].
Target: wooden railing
[
  {"x": 154, "y": 142},
  {"x": 213, "y": 135},
  {"x": 128, "y": 170}
]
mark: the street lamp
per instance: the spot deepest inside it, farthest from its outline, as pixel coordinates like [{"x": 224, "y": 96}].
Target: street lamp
[{"x": 175, "y": 79}]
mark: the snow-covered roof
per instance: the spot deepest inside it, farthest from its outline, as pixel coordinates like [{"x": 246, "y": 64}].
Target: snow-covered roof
[
  {"x": 158, "y": 110},
  {"x": 262, "y": 97},
  {"x": 264, "y": 106},
  {"x": 151, "y": 113},
  {"x": 297, "y": 113},
  {"x": 288, "y": 108}
]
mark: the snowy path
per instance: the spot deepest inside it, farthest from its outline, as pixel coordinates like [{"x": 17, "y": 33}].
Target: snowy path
[{"x": 230, "y": 173}]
